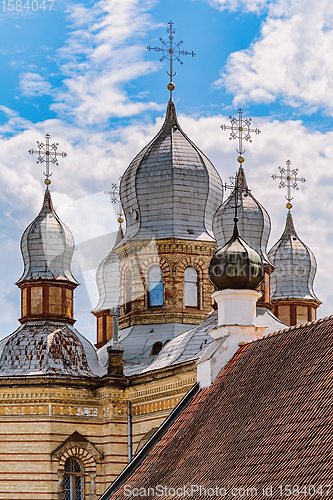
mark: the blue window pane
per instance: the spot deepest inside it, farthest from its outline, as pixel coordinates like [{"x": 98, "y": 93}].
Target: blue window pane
[{"x": 156, "y": 294}]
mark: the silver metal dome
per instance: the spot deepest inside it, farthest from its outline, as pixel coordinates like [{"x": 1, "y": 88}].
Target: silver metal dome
[
  {"x": 108, "y": 279},
  {"x": 254, "y": 223},
  {"x": 47, "y": 246},
  {"x": 295, "y": 266},
  {"x": 170, "y": 189}
]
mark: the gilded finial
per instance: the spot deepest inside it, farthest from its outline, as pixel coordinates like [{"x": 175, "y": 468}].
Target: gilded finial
[
  {"x": 47, "y": 153},
  {"x": 240, "y": 129},
  {"x": 288, "y": 178},
  {"x": 172, "y": 52}
]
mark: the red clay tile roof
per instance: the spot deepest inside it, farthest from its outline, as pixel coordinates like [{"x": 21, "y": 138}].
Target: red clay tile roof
[{"x": 267, "y": 420}]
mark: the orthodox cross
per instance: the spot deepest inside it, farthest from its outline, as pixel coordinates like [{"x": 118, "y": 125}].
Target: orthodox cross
[
  {"x": 47, "y": 153},
  {"x": 241, "y": 130},
  {"x": 115, "y": 198},
  {"x": 288, "y": 178},
  {"x": 172, "y": 52}
]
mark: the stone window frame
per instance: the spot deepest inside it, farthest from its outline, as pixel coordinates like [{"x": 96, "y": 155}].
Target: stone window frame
[{"x": 87, "y": 454}]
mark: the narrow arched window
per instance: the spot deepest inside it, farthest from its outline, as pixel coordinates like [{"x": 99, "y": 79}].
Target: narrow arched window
[
  {"x": 128, "y": 293},
  {"x": 190, "y": 287},
  {"x": 156, "y": 287},
  {"x": 74, "y": 480}
]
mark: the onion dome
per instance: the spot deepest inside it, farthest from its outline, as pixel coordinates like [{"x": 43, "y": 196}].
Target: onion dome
[
  {"x": 170, "y": 189},
  {"x": 108, "y": 279},
  {"x": 236, "y": 265},
  {"x": 47, "y": 247},
  {"x": 48, "y": 348},
  {"x": 295, "y": 266},
  {"x": 254, "y": 222}
]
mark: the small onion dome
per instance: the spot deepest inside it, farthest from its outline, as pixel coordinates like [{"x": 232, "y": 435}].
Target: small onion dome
[
  {"x": 254, "y": 222},
  {"x": 47, "y": 246},
  {"x": 236, "y": 265},
  {"x": 108, "y": 279},
  {"x": 295, "y": 266},
  {"x": 170, "y": 189}
]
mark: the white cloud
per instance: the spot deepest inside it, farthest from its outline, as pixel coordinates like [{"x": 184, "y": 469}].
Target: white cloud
[
  {"x": 291, "y": 59},
  {"x": 244, "y": 5},
  {"x": 33, "y": 84},
  {"x": 102, "y": 54}
]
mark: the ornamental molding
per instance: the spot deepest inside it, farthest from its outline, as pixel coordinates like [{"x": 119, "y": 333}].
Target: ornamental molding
[{"x": 165, "y": 391}]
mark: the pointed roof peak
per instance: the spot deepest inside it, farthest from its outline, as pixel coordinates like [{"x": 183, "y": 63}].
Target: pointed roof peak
[
  {"x": 171, "y": 114},
  {"x": 289, "y": 229},
  {"x": 241, "y": 178}
]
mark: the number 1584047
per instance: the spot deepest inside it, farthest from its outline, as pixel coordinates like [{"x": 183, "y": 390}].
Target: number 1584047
[{"x": 26, "y": 5}]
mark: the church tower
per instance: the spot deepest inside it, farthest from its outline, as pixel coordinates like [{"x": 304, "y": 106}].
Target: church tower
[
  {"x": 169, "y": 195},
  {"x": 253, "y": 220},
  {"x": 293, "y": 297}
]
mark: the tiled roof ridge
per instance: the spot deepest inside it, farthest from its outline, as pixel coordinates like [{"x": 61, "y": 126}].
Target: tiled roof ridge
[{"x": 289, "y": 329}]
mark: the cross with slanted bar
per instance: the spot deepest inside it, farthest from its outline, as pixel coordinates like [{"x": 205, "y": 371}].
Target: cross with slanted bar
[
  {"x": 288, "y": 178},
  {"x": 241, "y": 130},
  {"x": 171, "y": 51},
  {"x": 115, "y": 198},
  {"x": 47, "y": 153}
]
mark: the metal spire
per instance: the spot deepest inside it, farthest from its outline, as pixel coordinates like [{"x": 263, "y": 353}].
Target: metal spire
[
  {"x": 115, "y": 198},
  {"x": 47, "y": 153},
  {"x": 241, "y": 130},
  {"x": 172, "y": 52},
  {"x": 288, "y": 178}
]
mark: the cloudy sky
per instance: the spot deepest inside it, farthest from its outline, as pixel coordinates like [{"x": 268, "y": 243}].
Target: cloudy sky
[{"x": 82, "y": 73}]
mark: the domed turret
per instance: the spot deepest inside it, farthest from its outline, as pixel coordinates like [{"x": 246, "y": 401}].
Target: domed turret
[
  {"x": 254, "y": 222},
  {"x": 108, "y": 284},
  {"x": 47, "y": 282},
  {"x": 292, "y": 281},
  {"x": 236, "y": 265},
  {"x": 47, "y": 247},
  {"x": 170, "y": 189}
]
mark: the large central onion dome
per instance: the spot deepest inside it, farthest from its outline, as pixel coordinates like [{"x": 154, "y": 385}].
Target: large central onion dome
[
  {"x": 170, "y": 189},
  {"x": 254, "y": 222}
]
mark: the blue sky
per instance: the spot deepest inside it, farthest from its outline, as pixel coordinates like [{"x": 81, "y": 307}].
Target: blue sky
[{"x": 82, "y": 73}]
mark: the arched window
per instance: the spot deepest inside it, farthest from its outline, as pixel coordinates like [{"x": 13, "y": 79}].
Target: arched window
[
  {"x": 128, "y": 293},
  {"x": 156, "y": 287},
  {"x": 74, "y": 480},
  {"x": 190, "y": 287}
]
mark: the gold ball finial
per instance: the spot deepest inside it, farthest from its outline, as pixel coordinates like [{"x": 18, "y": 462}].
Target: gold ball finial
[
  {"x": 241, "y": 159},
  {"x": 289, "y": 205},
  {"x": 120, "y": 220},
  {"x": 171, "y": 86},
  {"x": 47, "y": 182}
]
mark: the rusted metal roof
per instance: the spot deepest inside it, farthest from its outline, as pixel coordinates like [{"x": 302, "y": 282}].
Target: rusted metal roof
[
  {"x": 48, "y": 348},
  {"x": 265, "y": 421}
]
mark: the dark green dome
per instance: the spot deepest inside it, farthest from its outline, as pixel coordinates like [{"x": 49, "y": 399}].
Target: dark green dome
[{"x": 236, "y": 265}]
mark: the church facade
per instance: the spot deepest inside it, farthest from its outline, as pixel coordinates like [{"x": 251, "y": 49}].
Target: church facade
[{"x": 73, "y": 415}]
